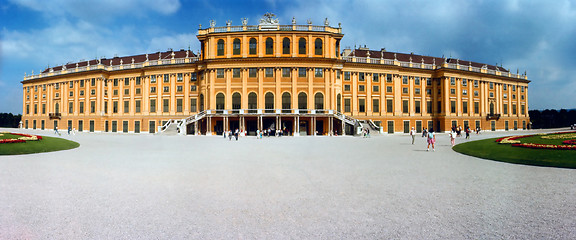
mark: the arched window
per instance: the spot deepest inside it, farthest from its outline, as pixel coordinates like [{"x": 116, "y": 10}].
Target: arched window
[
  {"x": 302, "y": 46},
  {"x": 302, "y": 101},
  {"x": 220, "y": 47},
  {"x": 286, "y": 46},
  {"x": 269, "y": 102},
  {"x": 269, "y": 46},
  {"x": 319, "y": 101},
  {"x": 201, "y": 102},
  {"x": 318, "y": 46},
  {"x": 236, "y": 47},
  {"x": 286, "y": 102},
  {"x": 236, "y": 101},
  {"x": 253, "y": 46},
  {"x": 252, "y": 102},
  {"x": 339, "y": 103},
  {"x": 220, "y": 101}
]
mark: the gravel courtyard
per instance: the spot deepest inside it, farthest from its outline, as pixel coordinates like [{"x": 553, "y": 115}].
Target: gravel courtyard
[{"x": 126, "y": 186}]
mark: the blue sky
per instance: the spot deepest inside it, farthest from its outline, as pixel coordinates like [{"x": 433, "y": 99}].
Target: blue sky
[{"x": 538, "y": 37}]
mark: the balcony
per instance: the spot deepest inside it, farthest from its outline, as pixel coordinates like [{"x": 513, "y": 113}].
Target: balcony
[
  {"x": 55, "y": 116},
  {"x": 493, "y": 116}
]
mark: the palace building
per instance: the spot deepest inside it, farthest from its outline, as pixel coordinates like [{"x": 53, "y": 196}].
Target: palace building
[{"x": 291, "y": 77}]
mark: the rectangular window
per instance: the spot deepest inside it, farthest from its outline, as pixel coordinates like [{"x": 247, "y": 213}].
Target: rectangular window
[
  {"x": 375, "y": 77},
  {"x": 220, "y": 73},
  {"x": 166, "y": 89},
  {"x": 491, "y": 94},
  {"x": 405, "y": 106},
  {"x": 417, "y": 91},
  {"x": 125, "y": 126},
  {"x": 389, "y": 106},
  {"x": 464, "y": 82},
  {"x": 115, "y": 107},
  {"x": 389, "y": 78},
  {"x": 465, "y": 107},
  {"x": 179, "y": 88},
  {"x": 416, "y": 81},
  {"x": 179, "y": 105},
  {"x": 166, "y": 78},
  {"x": 504, "y": 87},
  {"x": 193, "y": 88},
  {"x": 428, "y": 91},
  {"x": 179, "y": 77},
  {"x": 346, "y": 87},
  {"x": 389, "y": 89},
  {"x": 405, "y": 80},
  {"x": 137, "y": 108},
  {"x": 92, "y": 92},
  {"x": 347, "y": 76},
  {"x": 522, "y": 89},
  {"x": 491, "y": 85},
  {"x": 136, "y": 126},
  {"x": 453, "y": 106},
  {"x": 126, "y": 82},
  {"x": 452, "y": 81},
  {"x": 405, "y": 90},
  {"x": 151, "y": 126},
  {"x": 153, "y": 89},
  {"x": 285, "y": 72},
  {"x": 91, "y": 125},
  {"x": 452, "y": 91},
  {"x": 361, "y": 105},
  {"x": 115, "y": 92},
  {"x": 361, "y": 77},
  {"x": 318, "y": 72},
  {"x": 376, "y": 105},
  {"x": 81, "y": 83},
  {"x": 375, "y": 88},
  {"x": 361, "y": 88},
  {"x": 71, "y": 93},
  {"x": 126, "y": 106},
  {"x": 166, "y": 105},
  {"x": 138, "y": 81},
  {"x": 71, "y": 86},
  {"x": 476, "y": 107},
  {"x": 439, "y": 107},
  {"x": 70, "y": 107},
  {"x": 301, "y": 72},
  {"x": 475, "y": 83},
  {"x": 236, "y": 72},
  {"x": 106, "y": 107},
  {"x": 464, "y": 92},
  {"x": 475, "y": 93},
  {"x": 115, "y": 82},
  {"x": 153, "y": 79},
  {"x": 193, "y": 77},
  {"x": 152, "y": 105},
  {"x": 269, "y": 72},
  {"x": 505, "y": 110},
  {"x": 138, "y": 91},
  {"x": 92, "y": 106},
  {"x": 417, "y": 106},
  {"x": 429, "y": 81},
  {"x": 93, "y": 82},
  {"x": 429, "y": 107},
  {"x": 252, "y": 72},
  {"x": 43, "y": 108},
  {"x": 126, "y": 91},
  {"x": 193, "y": 105},
  {"x": 338, "y": 73},
  {"x": 347, "y": 105},
  {"x": 514, "y": 109}
]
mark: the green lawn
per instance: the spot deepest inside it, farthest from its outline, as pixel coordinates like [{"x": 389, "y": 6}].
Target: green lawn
[
  {"x": 47, "y": 144},
  {"x": 490, "y": 149}
]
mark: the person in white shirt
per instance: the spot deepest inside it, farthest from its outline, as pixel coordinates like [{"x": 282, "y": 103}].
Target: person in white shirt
[{"x": 413, "y": 134}]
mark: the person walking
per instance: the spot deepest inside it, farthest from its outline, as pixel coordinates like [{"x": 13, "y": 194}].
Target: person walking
[
  {"x": 236, "y": 134},
  {"x": 425, "y": 132},
  {"x": 431, "y": 140},
  {"x": 229, "y": 135},
  {"x": 56, "y": 130},
  {"x": 413, "y": 134},
  {"x": 453, "y": 136},
  {"x": 467, "y": 132},
  {"x": 69, "y": 129}
]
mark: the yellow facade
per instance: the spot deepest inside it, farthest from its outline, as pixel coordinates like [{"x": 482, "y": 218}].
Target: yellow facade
[{"x": 268, "y": 75}]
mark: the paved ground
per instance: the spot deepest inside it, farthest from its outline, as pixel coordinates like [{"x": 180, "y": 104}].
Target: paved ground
[{"x": 118, "y": 186}]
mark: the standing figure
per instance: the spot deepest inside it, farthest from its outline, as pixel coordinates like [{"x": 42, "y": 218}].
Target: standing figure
[
  {"x": 69, "y": 129},
  {"x": 236, "y": 134},
  {"x": 56, "y": 130},
  {"x": 413, "y": 134},
  {"x": 467, "y": 132},
  {"x": 453, "y": 136},
  {"x": 431, "y": 140}
]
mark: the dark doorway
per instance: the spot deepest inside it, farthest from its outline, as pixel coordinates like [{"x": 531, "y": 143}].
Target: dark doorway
[
  {"x": 320, "y": 127},
  {"x": 234, "y": 124},
  {"x": 303, "y": 127},
  {"x": 287, "y": 126},
  {"x": 251, "y": 127},
  {"x": 219, "y": 127}
]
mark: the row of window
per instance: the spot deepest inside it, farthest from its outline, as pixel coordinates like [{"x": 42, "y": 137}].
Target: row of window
[
  {"x": 269, "y": 72},
  {"x": 269, "y": 46}
]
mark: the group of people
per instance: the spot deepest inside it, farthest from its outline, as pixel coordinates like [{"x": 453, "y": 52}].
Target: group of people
[
  {"x": 229, "y": 134},
  {"x": 70, "y": 131},
  {"x": 366, "y": 132},
  {"x": 429, "y": 135},
  {"x": 270, "y": 132}
]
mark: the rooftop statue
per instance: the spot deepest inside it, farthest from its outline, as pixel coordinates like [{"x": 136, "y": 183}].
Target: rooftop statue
[{"x": 268, "y": 19}]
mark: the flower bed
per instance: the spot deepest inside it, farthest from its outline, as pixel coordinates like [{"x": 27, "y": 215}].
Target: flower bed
[
  {"x": 569, "y": 144},
  {"x": 21, "y": 139}
]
